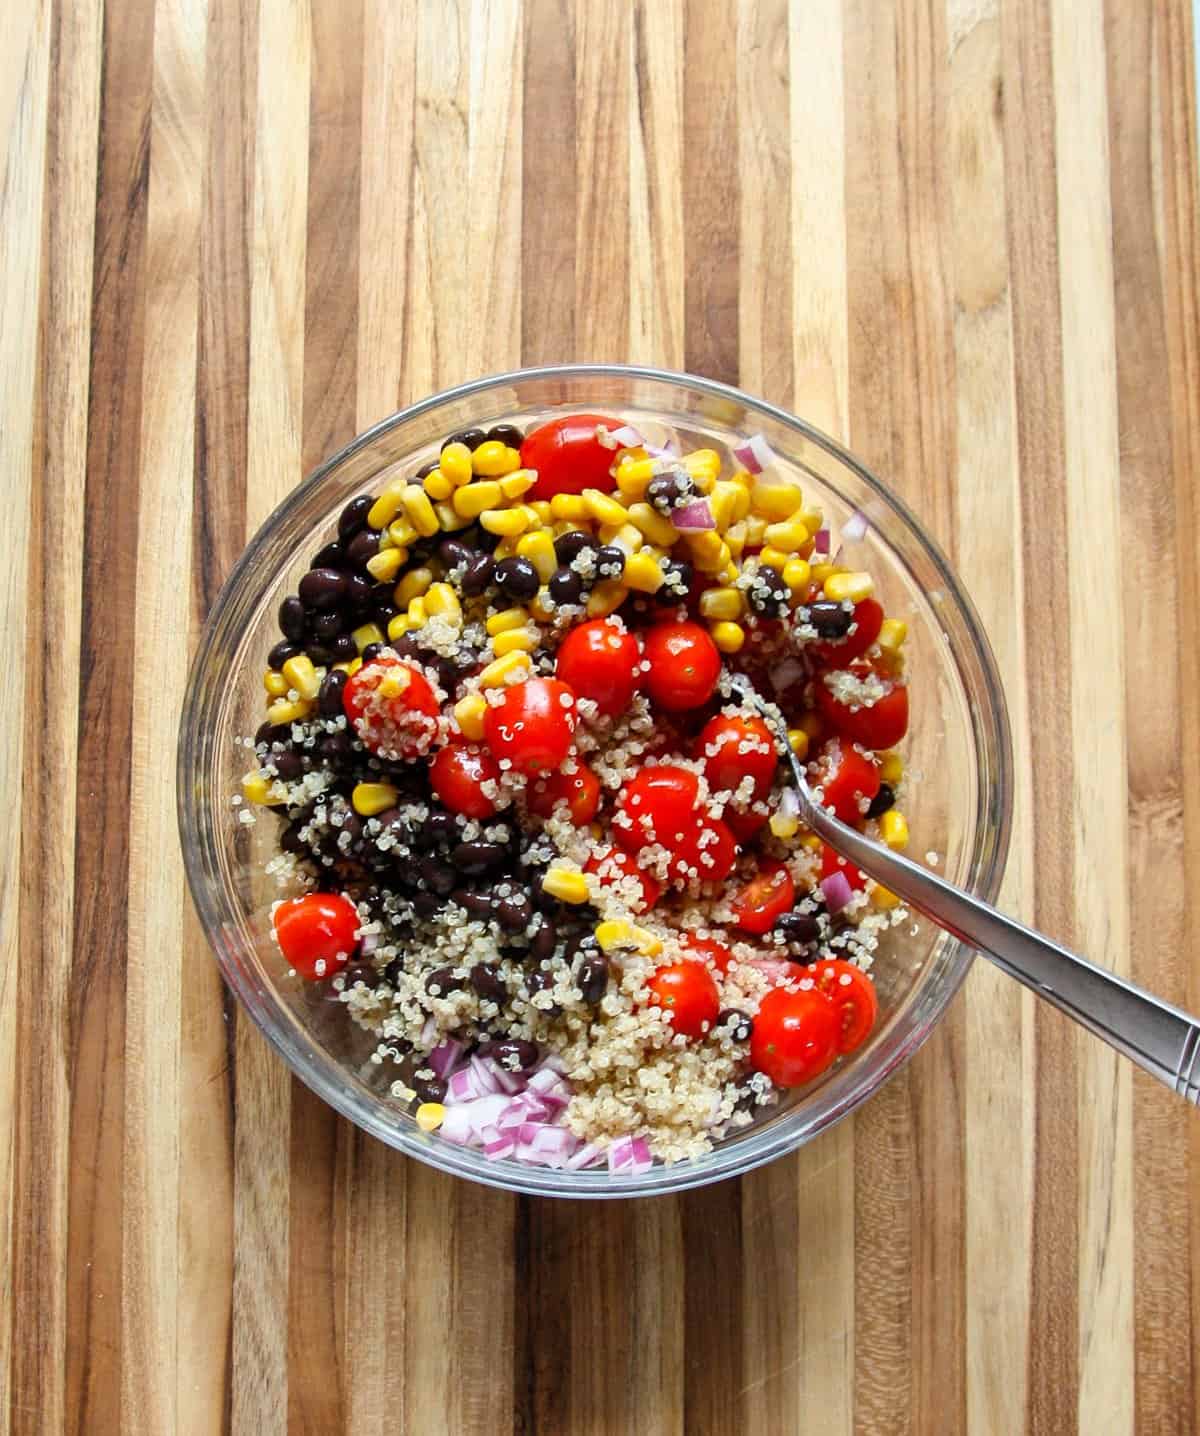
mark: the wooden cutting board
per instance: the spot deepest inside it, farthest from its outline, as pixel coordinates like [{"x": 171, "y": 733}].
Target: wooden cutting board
[{"x": 962, "y": 234}]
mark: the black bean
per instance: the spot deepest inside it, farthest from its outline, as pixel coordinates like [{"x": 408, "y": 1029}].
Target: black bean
[
  {"x": 442, "y": 982},
  {"x": 331, "y": 556},
  {"x": 452, "y": 552},
  {"x": 327, "y": 624},
  {"x": 471, "y": 437},
  {"x": 335, "y": 749},
  {"x": 371, "y": 652},
  {"x": 320, "y": 653},
  {"x": 666, "y": 492},
  {"x": 514, "y": 912},
  {"x": 343, "y": 648},
  {"x": 288, "y": 765},
  {"x": 291, "y": 841},
  {"x": 565, "y": 586},
  {"x": 517, "y": 578},
  {"x": 506, "y": 434},
  {"x": 830, "y": 619},
  {"x": 439, "y": 877},
  {"x": 354, "y": 515},
  {"x": 280, "y": 654},
  {"x": 545, "y": 939},
  {"x": 767, "y": 594},
  {"x": 514, "y": 1054},
  {"x": 539, "y": 980},
  {"x": 592, "y": 978},
  {"x": 678, "y": 575},
  {"x": 610, "y": 561},
  {"x": 736, "y": 1023},
  {"x": 477, "y": 857},
  {"x": 570, "y": 545},
  {"x": 322, "y": 588},
  {"x": 361, "y": 548},
  {"x": 329, "y": 699},
  {"x": 407, "y": 646},
  {"x": 438, "y": 828},
  {"x": 478, "y": 575},
  {"x": 798, "y": 927},
  {"x": 291, "y": 619},
  {"x": 881, "y": 802},
  {"x": 487, "y": 982},
  {"x": 480, "y": 905},
  {"x": 429, "y": 1089},
  {"x": 359, "y": 592}
]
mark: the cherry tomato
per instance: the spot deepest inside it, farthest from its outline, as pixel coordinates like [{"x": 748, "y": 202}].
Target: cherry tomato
[
  {"x": 706, "y": 947},
  {"x": 868, "y": 620},
  {"x": 853, "y": 996},
  {"x": 767, "y": 895},
  {"x": 455, "y": 776},
  {"x": 580, "y": 790},
  {"x": 846, "y": 776},
  {"x": 707, "y": 851},
  {"x": 882, "y": 725},
  {"x": 613, "y": 866},
  {"x": 569, "y": 457},
  {"x": 403, "y": 722},
  {"x": 532, "y": 725},
  {"x": 316, "y": 933},
  {"x": 734, "y": 748},
  {"x": 795, "y": 1036},
  {"x": 656, "y": 806},
  {"x": 743, "y": 825},
  {"x": 832, "y": 862},
  {"x": 600, "y": 661},
  {"x": 684, "y": 666},
  {"x": 687, "y": 993}
]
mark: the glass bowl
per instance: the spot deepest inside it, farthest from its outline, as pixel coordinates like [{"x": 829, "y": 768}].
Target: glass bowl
[{"x": 958, "y": 749}]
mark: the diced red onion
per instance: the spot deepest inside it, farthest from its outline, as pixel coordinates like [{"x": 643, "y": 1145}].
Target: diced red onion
[
  {"x": 837, "y": 890},
  {"x": 587, "y": 1156},
  {"x": 552, "y": 1062},
  {"x": 821, "y": 541},
  {"x": 620, "y": 1154},
  {"x": 456, "y": 1125},
  {"x": 485, "y": 1074},
  {"x": 428, "y": 1033},
  {"x": 642, "y": 1160},
  {"x": 370, "y": 941},
  {"x": 550, "y": 1087},
  {"x": 511, "y": 1117},
  {"x": 693, "y": 517},
  {"x": 754, "y": 454},
  {"x": 504, "y": 1144},
  {"x": 775, "y": 969},
  {"x": 510, "y": 1082},
  {"x": 855, "y": 528},
  {"x": 670, "y": 451},
  {"x": 627, "y": 437},
  {"x": 784, "y": 675},
  {"x": 462, "y": 1086},
  {"x": 447, "y": 1057}
]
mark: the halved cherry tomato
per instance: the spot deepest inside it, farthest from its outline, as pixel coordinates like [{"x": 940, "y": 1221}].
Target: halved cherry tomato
[
  {"x": 532, "y": 725},
  {"x": 614, "y": 866},
  {"x": 733, "y": 747},
  {"x": 687, "y": 993},
  {"x": 882, "y": 725},
  {"x": 853, "y": 995},
  {"x": 569, "y": 457},
  {"x": 707, "y": 851},
  {"x": 684, "y": 666},
  {"x": 455, "y": 776},
  {"x": 580, "y": 791},
  {"x": 868, "y": 620},
  {"x": 846, "y": 777},
  {"x": 744, "y": 824},
  {"x": 795, "y": 1036},
  {"x": 600, "y": 661},
  {"x": 706, "y": 947},
  {"x": 656, "y": 805},
  {"x": 401, "y": 722},
  {"x": 833, "y": 862},
  {"x": 316, "y": 933},
  {"x": 767, "y": 895}
]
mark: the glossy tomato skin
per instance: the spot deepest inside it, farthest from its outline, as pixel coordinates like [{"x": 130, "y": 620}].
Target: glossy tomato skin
[
  {"x": 568, "y": 457},
  {"x": 404, "y": 723},
  {"x": 687, "y": 993},
  {"x": 846, "y": 777},
  {"x": 769, "y": 894},
  {"x": 708, "y": 851},
  {"x": 456, "y": 774},
  {"x": 832, "y": 862},
  {"x": 795, "y": 1036},
  {"x": 735, "y": 747},
  {"x": 656, "y": 805},
  {"x": 880, "y": 726},
  {"x": 684, "y": 666},
  {"x": 532, "y": 725},
  {"x": 600, "y": 661},
  {"x": 614, "y": 865},
  {"x": 868, "y": 620},
  {"x": 710, "y": 949},
  {"x": 854, "y": 999},
  {"x": 316, "y": 933},
  {"x": 744, "y": 825},
  {"x": 580, "y": 790}
]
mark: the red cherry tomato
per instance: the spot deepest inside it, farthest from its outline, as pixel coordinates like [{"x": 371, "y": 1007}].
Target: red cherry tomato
[
  {"x": 403, "y": 723},
  {"x": 600, "y": 661},
  {"x": 743, "y": 825},
  {"x": 795, "y": 1036},
  {"x": 532, "y": 725},
  {"x": 853, "y": 996},
  {"x": 455, "y": 776},
  {"x": 706, "y": 947},
  {"x": 688, "y": 995},
  {"x": 846, "y": 777},
  {"x": 316, "y": 933},
  {"x": 882, "y": 725},
  {"x": 833, "y": 862},
  {"x": 684, "y": 666},
  {"x": 868, "y": 620},
  {"x": 580, "y": 790},
  {"x": 734, "y": 748},
  {"x": 614, "y": 866},
  {"x": 656, "y": 806},
  {"x": 569, "y": 457},
  {"x": 764, "y": 898},
  {"x": 707, "y": 851}
]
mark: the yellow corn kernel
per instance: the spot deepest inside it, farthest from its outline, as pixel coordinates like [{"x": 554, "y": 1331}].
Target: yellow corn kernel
[
  {"x": 419, "y": 510},
  {"x": 469, "y": 713},
  {"x": 351, "y": 668},
  {"x": 797, "y": 575},
  {"x": 418, "y": 614},
  {"x": 606, "y": 597},
  {"x": 602, "y": 508},
  {"x": 703, "y": 464},
  {"x": 538, "y": 548},
  {"x": 437, "y": 485},
  {"x": 773, "y": 558},
  {"x": 504, "y": 620},
  {"x": 513, "y": 485},
  {"x": 893, "y": 829},
  {"x": 724, "y": 501},
  {"x": 283, "y": 710},
  {"x": 784, "y": 825},
  {"x": 500, "y": 670},
  {"x": 516, "y": 640},
  {"x": 492, "y": 458},
  {"x": 892, "y": 633},
  {"x": 540, "y": 607},
  {"x": 565, "y": 885},
  {"x": 386, "y": 564},
  {"x": 721, "y": 603},
  {"x": 643, "y": 572},
  {"x": 504, "y": 523},
  {"x": 256, "y": 788},
  {"x": 756, "y": 531},
  {"x": 798, "y": 742},
  {"x": 414, "y": 583},
  {"x": 367, "y": 634},
  {"x": 507, "y": 547},
  {"x": 626, "y": 536},
  {"x": 787, "y": 536},
  {"x": 811, "y": 842},
  {"x": 430, "y": 1116},
  {"x": 442, "y": 602},
  {"x": 776, "y": 501},
  {"x": 729, "y": 575},
  {"x": 396, "y": 680},
  {"x": 883, "y": 898},
  {"x": 812, "y": 519},
  {"x": 728, "y": 637},
  {"x": 302, "y": 676},
  {"x": 651, "y": 523},
  {"x": 735, "y": 537},
  {"x": 471, "y": 500},
  {"x": 710, "y": 552},
  {"x": 275, "y": 683},
  {"x": 569, "y": 507},
  {"x": 811, "y": 724},
  {"x": 371, "y": 798},
  {"x": 455, "y": 463},
  {"x": 852, "y": 586},
  {"x": 823, "y": 572},
  {"x": 401, "y": 533},
  {"x": 541, "y": 507},
  {"x": 449, "y": 517},
  {"x": 387, "y": 505},
  {"x": 398, "y": 626},
  {"x": 645, "y": 942},
  {"x": 891, "y": 768},
  {"x": 611, "y": 935}
]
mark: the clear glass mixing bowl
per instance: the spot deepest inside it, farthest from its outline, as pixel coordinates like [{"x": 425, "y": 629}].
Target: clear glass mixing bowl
[{"x": 958, "y": 746}]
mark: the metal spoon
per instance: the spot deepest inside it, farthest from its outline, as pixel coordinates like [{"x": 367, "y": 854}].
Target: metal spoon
[{"x": 1161, "y": 1039}]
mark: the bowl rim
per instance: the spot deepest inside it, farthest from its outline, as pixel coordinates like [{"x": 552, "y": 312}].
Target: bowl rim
[{"x": 596, "y": 1184}]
